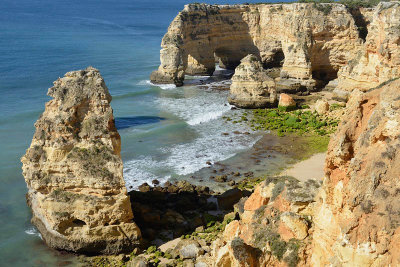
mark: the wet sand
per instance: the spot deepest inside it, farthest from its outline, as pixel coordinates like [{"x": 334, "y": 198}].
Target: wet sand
[{"x": 270, "y": 156}]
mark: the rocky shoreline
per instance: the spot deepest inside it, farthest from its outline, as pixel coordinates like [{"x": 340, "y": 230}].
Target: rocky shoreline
[{"x": 344, "y": 89}]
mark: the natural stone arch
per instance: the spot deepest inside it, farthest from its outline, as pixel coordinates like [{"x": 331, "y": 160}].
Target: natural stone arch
[{"x": 201, "y": 33}]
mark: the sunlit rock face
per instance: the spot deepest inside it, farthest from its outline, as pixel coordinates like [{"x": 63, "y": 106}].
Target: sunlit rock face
[
  {"x": 357, "y": 219},
  {"x": 308, "y": 42},
  {"x": 73, "y": 170},
  {"x": 251, "y": 86},
  {"x": 379, "y": 58}
]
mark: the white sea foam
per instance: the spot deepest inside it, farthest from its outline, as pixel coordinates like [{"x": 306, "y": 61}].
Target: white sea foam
[
  {"x": 206, "y": 117},
  {"x": 144, "y": 82},
  {"x": 33, "y": 231},
  {"x": 162, "y": 86},
  {"x": 142, "y": 170},
  {"x": 202, "y": 111}
]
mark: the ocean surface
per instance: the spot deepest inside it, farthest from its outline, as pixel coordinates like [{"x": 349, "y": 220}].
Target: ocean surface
[{"x": 167, "y": 132}]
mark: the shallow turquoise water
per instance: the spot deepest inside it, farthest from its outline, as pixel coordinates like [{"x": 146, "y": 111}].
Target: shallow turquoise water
[{"x": 166, "y": 132}]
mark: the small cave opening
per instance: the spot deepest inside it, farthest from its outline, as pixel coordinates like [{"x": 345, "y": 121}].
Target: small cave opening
[
  {"x": 227, "y": 59},
  {"x": 277, "y": 60},
  {"x": 78, "y": 223},
  {"x": 323, "y": 76},
  {"x": 323, "y": 71}
]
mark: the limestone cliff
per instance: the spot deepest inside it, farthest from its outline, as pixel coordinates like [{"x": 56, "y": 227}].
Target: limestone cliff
[
  {"x": 379, "y": 58},
  {"x": 352, "y": 220},
  {"x": 311, "y": 42},
  {"x": 251, "y": 86},
  {"x": 357, "y": 219},
  {"x": 73, "y": 170}
]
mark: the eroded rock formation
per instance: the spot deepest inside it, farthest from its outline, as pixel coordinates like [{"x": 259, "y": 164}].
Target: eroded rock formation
[
  {"x": 251, "y": 86},
  {"x": 273, "y": 229},
  {"x": 379, "y": 58},
  {"x": 309, "y": 42},
  {"x": 352, "y": 220},
  {"x": 357, "y": 221},
  {"x": 73, "y": 170}
]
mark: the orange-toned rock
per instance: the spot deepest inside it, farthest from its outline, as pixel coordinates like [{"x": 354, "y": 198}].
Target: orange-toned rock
[
  {"x": 236, "y": 253},
  {"x": 232, "y": 230},
  {"x": 292, "y": 226},
  {"x": 286, "y": 100},
  {"x": 358, "y": 212},
  {"x": 256, "y": 200}
]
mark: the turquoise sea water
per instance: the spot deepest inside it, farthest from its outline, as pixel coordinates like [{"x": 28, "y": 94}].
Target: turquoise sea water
[{"x": 166, "y": 131}]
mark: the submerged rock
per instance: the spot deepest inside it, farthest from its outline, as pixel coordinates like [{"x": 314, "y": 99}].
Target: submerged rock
[
  {"x": 73, "y": 170},
  {"x": 251, "y": 86}
]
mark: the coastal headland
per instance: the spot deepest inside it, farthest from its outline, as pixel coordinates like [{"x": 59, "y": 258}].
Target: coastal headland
[{"x": 320, "y": 82}]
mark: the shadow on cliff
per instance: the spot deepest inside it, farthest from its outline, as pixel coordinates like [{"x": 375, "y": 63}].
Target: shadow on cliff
[
  {"x": 222, "y": 49},
  {"x": 166, "y": 213}
]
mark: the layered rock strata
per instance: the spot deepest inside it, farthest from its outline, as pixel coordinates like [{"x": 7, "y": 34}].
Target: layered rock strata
[
  {"x": 73, "y": 170},
  {"x": 310, "y": 42},
  {"x": 251, "y": 86},
  {"x": 357, "y": 217}
]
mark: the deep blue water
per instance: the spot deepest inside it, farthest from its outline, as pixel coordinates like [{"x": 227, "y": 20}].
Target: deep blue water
[{"x": 166, "y": 132}]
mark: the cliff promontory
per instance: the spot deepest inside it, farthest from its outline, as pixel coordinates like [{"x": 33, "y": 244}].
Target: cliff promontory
[
  {"x": 73, "y": 170},
  {"x": 308, "y": 44}
]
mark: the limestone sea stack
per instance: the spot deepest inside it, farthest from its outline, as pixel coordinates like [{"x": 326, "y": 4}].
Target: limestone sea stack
[
  {"x": 251, "y": 86},
  {"x": 73, "y": 170},
  {"x": 357, "y": 219}
]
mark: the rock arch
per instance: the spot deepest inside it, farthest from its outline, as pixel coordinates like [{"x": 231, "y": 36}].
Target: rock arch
[{"x": 298, "y": 37}]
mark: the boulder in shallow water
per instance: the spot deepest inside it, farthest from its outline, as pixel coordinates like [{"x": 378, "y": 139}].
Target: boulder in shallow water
[{"x": 73, "y": 170}]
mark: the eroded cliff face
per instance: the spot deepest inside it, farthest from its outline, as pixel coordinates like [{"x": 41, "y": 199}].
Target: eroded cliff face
[
  {"x": 352, "y": 220},
  {"x": 357, "y": 221},
  {"x": 379, "y": 58},
  {"x": 73, "y": 170},
  {"x": 310, "y": 42}
]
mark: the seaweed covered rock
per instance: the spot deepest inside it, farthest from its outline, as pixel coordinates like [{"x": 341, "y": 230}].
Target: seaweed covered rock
[
  {"x": 357, "y": 219},
  {"x": 251, "y": 86},
  {"x": 73, "y": 170}
]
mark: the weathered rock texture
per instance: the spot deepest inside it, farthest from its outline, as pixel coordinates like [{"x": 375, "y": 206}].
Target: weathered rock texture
[
  {"x": 272, "y": 227},
  {"x": 311, "y": 42},
  {"x": 379, "y": 58},
  {"x": 251, "y": 86},
  {"x": 73, "y": 170},
  {"x": 357, "y": 221}
]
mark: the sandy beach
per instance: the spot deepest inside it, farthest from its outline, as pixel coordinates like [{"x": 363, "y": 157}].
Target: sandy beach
[{"x": 311, "y": 168}]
